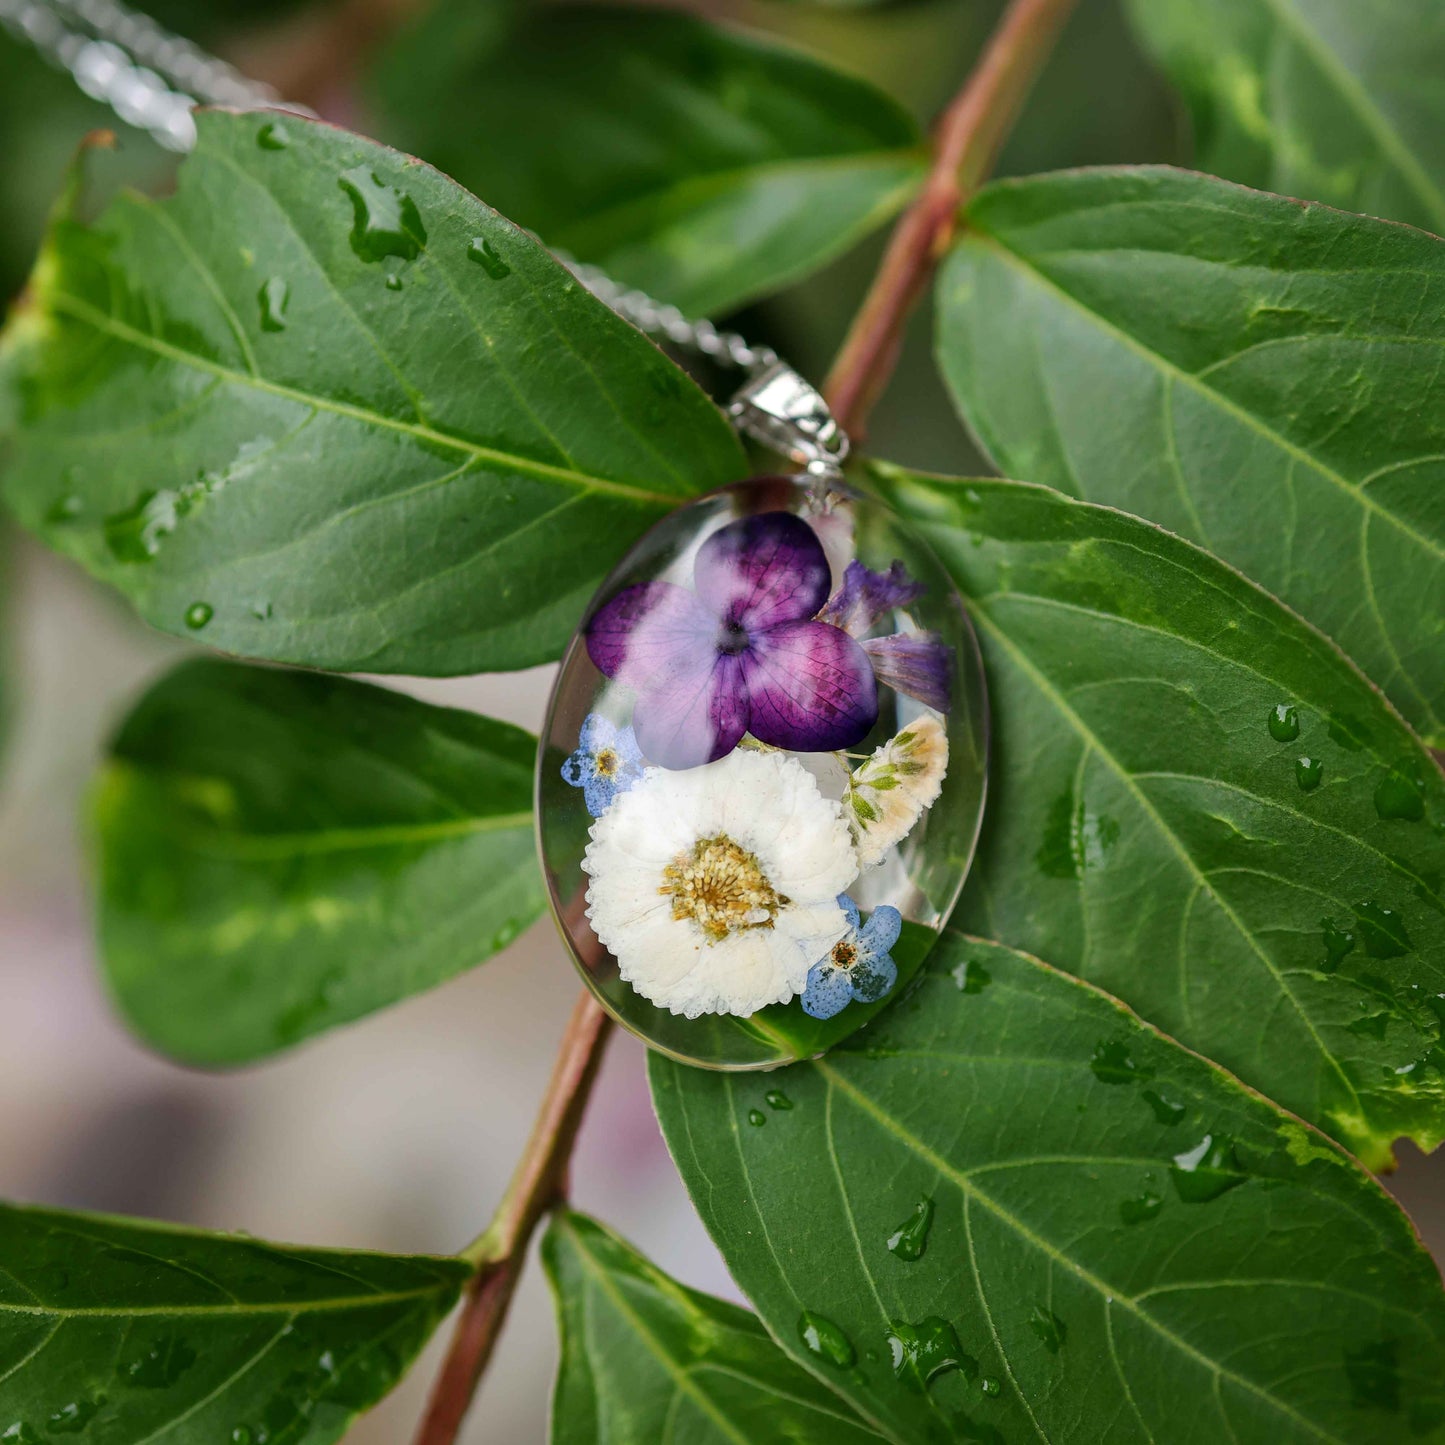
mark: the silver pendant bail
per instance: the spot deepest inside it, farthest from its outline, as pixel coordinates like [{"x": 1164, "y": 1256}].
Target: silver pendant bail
[{"x": 777, "y": 407}]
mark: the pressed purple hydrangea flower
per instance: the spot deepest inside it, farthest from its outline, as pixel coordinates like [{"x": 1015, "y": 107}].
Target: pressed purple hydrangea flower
[
  {"x": 740, "y": 652},
  {"x": 917, "y": 663},
  {"x": 859, "y": 966}
]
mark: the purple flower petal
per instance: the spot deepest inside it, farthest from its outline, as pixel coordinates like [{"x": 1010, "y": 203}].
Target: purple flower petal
[
  {"x": 917, "y": 663},
  {"x": 763, "y": 571},
  {"x": 828, "y": 991},
  {"x": 810, "y": 687},
  {"x": 866, "y": 595},
  {"x": 645, "y": 631},
  {"x": 693, "y": 713}
]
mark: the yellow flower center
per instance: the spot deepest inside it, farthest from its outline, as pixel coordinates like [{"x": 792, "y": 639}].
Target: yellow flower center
[
  {"x": 606, "y": 763},
  {"x": 721, "y": 887},
  {"x": 845, "y": 953}
]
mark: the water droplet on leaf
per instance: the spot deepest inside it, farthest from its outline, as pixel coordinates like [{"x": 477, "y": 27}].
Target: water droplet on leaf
[
  {"x": 1166, "y": 1110},
  {"x": 1400, "y": 797},
  {"x": 484, "y": 254},
  {"x": 1382, "y": 930},
  {"x": 910, "y": 1239},
  {"x": 272, "y": 297},
  {"x": 1142, "y": 1209},
  {"x": 926, "y": 1350},
  {"x": 971, "y": 976},
  {"x": 821, "y": 1337},
  {"x": 757, "y": 1118},
  {"x": 1339, "y": 942},
  {"x": 65, "y": 510},
  {"x": 1111, "y": 1064},
  {"x": 1308, "y": 773},
  {"x": 273, "y": 136},
  {"x": 991, "y": 1386},
  {"x": 777, "y": 1099},
  {"x": 1049, "y": 1328},
  {"x": 1283, "y": 722},
  {"x": 386, "y": 221},
  {"x": 1206, "y": 1171},
  {"x": 198, "y": 614}
]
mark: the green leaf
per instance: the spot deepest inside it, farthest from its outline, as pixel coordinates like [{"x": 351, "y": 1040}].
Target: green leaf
[
  {"x": 282, "y": 852},
  {"x": 1333, "y": 100},
  {"x": 221, "y": 405},
  {"x": 1119, "y": 1242},
  {"x": 127, "y": 1332},
  {"x": 645, "y": 1360},
  {"x": 1264, "y": 377},
  {"x": 704, "y": 165},
  {"x": 1153, "y": 826}
]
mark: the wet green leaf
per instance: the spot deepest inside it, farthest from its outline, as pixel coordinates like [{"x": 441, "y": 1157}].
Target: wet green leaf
[
  {"x": 644, "y": 1359},
  {"x": 702, "y": 164},
  {"x": 1093, "y": 1273},
  {"x": 1333, "y": 100},
  {"x": 1147, "y": 827},
  {"x": 287, "y": 412},
  {"x": 281, "y": 852},
  {"x": 122, "y": 1331},
  {"x": 1261, "y": 376}
]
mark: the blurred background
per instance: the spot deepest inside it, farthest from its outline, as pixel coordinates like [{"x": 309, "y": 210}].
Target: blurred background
[{"x": 399, "y": 1133}]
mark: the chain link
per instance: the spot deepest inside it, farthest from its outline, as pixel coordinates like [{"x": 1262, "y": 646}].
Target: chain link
[{"x": 152, "y": 80}]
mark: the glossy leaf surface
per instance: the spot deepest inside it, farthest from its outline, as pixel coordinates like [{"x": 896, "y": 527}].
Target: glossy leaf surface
[
  {"x": 1261, "y": 376},
  {"x": 1197, "y": 803},
  {"x": 121, "y": 1332},
  {"x": 282, "y": 852},
  {"x": 704, "y": 165},
  {"x": 646, "y": 1360},
  {"x": 1332, "y": 100},
  {"x": 321, "y": 406},
  {"x": 1120, "y": 1242}
]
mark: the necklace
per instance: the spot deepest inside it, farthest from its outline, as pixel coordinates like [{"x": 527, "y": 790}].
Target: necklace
[{"x": 760, "y": 777}]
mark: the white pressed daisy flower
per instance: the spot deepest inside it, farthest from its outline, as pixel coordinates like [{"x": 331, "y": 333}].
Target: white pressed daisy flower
[
  {"x": 716, "y": 888},
  {"x": 891, "y": 791}
]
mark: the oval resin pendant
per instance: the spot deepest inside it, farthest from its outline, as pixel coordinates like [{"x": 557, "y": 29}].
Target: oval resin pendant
[{"x": 762, "y": 773}]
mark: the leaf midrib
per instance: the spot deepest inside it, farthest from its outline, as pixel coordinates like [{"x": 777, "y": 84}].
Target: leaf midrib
[
  {"x": 1166, "y": 367},
  {"x": 343, "y": 1302},
  {"x": 121, "y": 331},
  {"x": 964, "y": 1184},
  {"x": 1379, "y": 125}
]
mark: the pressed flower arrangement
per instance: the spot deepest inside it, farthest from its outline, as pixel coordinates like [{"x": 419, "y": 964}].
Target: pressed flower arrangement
[{"x": 1029, "y": 889}]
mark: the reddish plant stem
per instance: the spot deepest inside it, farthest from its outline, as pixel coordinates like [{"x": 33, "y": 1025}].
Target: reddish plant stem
[
  {"x": 539, "y": 1181},
  {"x": 966, "y": 143}
]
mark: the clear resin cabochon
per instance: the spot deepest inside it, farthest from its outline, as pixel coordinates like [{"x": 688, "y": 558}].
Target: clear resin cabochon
[{"x": 762, "y": 773}]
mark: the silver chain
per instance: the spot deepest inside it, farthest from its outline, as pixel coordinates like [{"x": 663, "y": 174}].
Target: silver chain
[{"x": 152, "y": 80}]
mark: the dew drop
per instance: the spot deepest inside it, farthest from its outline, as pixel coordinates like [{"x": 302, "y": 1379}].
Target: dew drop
[
  {"x": 273, "y": 297},
  {"x": 1049, "y": 1328},
  {"x": 65, "y": 510},
  {"x": 75, "y": 1417},
  {"x": 991, "y": 1386},
  {"x": 159, "y": 1365},
  {"x": 910, "y": 1239},
  {"x": 1339, "y": 942},
  {"x": 777, "y": 1099},
  {"x": 1166, "y": 1110},
  {"x": 21, "y": 1434},
  {"x": 757, "y": 1118},
  {"x": 1400, "y": 797},
  {"x": 273, "y": 136},
  {"x": 484, "y": 254},
  {"x": 1284, "y": 722},
  {"x": 971, "y": 976},
  {"x": 261, "y": 611},
  {"x": 386, "y": 220},
  {"x": 1382, "y": 930},
  {"x": 1111, "y": 1064},
  {"x": 1308, "y": 773},
  {"x": 821, "y": 1337},
  {"x": 393, "y": 281},
  {"x": 1142, "y": 1209},
  {"x": 926, "y": 1350},
  {"x": 198, "y": 614},
  {"x": 1206, "y": 1171}
]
